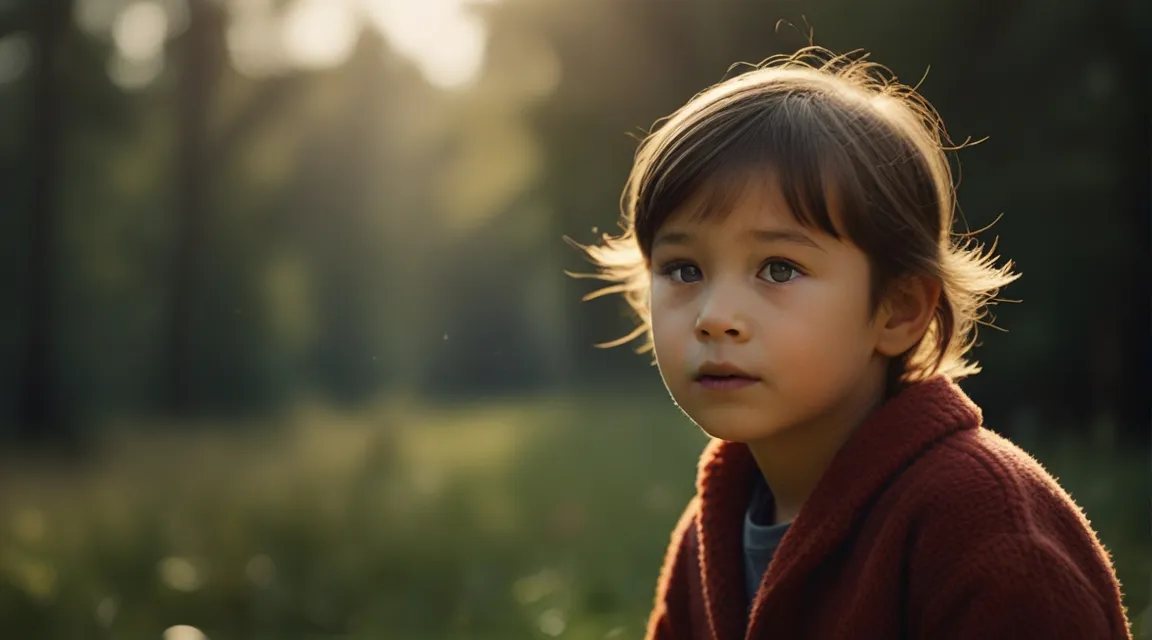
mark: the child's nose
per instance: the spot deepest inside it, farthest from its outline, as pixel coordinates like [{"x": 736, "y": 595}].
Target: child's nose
[{"x": 714, "y": 325}]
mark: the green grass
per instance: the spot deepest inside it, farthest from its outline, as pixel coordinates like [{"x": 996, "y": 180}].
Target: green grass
[{"x": 533, "y": 519}]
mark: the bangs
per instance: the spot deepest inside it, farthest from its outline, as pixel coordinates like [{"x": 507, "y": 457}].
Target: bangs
[
  {"x": 809, "y": 198},
  {"x": 711, "y": 162}
]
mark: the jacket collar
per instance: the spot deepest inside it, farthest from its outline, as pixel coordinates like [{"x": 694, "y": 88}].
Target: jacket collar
[{"x": 888, "y": 440}]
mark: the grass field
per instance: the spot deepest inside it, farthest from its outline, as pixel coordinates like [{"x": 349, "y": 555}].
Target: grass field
[{"x": 532, "y": 519}]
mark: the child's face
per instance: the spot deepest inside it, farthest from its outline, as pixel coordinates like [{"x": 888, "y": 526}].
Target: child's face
[{"x": 757, "y": 294}]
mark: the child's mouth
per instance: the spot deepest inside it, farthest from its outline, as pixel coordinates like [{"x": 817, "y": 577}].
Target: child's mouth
[{"x": 725, "y": 382}]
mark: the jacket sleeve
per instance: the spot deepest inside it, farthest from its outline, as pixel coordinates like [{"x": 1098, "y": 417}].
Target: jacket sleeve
[
  {"x": 1017, "y": 586},
  {"x": 670, "y": 618}
]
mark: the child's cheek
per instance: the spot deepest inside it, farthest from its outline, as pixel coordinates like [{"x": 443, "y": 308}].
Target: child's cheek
[{"x": 669, "y": 349}]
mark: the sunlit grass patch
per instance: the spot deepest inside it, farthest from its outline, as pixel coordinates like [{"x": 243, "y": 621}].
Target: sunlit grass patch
[{"x": 534, "y": 518}]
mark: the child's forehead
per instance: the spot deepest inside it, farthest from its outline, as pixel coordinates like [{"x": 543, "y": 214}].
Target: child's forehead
[
  {"x": 741, "y": 202},
  {"x": 741, "y": 214}
]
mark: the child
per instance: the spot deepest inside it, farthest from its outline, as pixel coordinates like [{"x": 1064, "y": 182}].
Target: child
[{"x": 788, "y": 248}]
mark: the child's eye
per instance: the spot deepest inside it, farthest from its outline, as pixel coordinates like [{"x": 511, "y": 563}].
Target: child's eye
[
  {"x": 779, "y": 272},
  {"x": 682, "y": 272}
]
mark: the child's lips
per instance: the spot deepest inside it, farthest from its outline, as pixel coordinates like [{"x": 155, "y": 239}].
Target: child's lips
[
  {"x": 722, "y": 369},
  {"x": 725, "y": 383}
]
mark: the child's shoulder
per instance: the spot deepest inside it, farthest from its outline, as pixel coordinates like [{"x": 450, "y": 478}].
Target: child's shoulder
[
  {"x": 987, "y": 518},
  {"x": 978, "y": 484},
  {"x": 982, "y": 464}
]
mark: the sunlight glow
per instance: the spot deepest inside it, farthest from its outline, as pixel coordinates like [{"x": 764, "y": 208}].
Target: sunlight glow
[
  {"x": 445, "y": 41},
  {"x": 254, "y": 39},
  {"x": 96, "y": 17},
  {"x": 443, "y": 38},
  {"x": 320, "y": 33},
  {"x": 131, "y": 74},
  {"x": 261, "y": 571},
  {"x": 184, "y": 632},
  {"x": 180, "y": 574},
  {"x": 106, "y": 612},
  {"x": 140, "y": 30},
  {"x": 552, "y": 622}
]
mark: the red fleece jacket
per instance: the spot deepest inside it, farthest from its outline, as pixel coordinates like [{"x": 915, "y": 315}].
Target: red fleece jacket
[{"x": 926, "y": 525}]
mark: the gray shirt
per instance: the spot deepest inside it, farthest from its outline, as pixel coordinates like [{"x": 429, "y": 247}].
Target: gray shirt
[{"x": 761, "y": 536}]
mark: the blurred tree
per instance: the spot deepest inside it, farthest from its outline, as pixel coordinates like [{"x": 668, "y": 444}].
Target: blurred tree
[
  {"x": 40, "y": 416},
  {"x": 206, "y": 142},
  {"x": 201, "y": 58},
  {"x": 322, "y": 227}
]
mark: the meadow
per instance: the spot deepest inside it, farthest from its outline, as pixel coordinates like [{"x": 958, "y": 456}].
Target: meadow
[{"x": 542, "y": 517}]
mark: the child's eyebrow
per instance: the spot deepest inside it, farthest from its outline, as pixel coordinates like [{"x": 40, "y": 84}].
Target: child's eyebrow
[{"x": 683, "y": 238}]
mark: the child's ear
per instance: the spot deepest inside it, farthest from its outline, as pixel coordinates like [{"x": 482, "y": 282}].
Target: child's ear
[{"x": 905, "y": 313}]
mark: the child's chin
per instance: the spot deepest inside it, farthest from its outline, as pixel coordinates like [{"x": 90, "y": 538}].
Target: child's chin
[
  {"x": 737, "y": 435},
  {"x": 734, "y": 428}
]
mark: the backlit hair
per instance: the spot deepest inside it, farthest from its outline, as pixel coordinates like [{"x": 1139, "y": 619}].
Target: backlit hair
[{"x": 856, "y": 154}]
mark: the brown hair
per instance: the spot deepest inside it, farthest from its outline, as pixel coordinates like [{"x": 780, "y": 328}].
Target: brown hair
[{"x": 856, "y": 155}]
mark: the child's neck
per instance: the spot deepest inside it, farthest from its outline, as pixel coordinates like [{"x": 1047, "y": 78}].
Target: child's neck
[{"x": 793, "y": 461}]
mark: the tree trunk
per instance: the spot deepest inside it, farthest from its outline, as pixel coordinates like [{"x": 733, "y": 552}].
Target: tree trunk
[
  {"x": 40, "y": 416},
  {"x": 200, "y": 59}
]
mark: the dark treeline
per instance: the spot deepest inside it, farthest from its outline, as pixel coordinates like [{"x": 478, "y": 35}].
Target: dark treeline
[{"x": 221, "y": 242}]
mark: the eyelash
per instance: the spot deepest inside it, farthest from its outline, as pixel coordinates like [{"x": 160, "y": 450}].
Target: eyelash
[{"x": 668, "y": 268}]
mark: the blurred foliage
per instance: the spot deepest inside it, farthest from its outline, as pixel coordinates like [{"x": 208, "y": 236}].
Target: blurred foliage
[
  {"x": 479, "y": 520},
  {"x": 254, "y": 248},
  {"x": 236, "y": 231}
]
